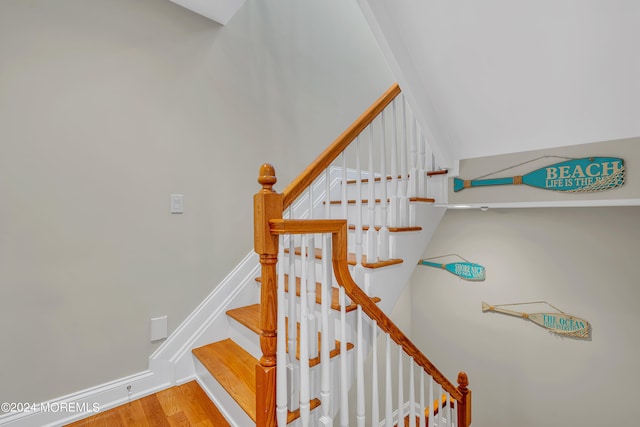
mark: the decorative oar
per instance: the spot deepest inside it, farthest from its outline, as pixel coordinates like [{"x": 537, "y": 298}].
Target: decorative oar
[
  {"x": 559, "y": 323},
  {"x": 465, "y": 270},
  {"x": 574, "y": 175}
]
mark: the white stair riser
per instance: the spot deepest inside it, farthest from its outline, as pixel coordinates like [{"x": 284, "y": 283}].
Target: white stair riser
[{"x": 392, "y": 189}]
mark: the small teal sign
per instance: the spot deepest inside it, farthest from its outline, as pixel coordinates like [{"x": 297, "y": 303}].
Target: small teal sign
[
  {"x": 464, "y": 270},
  {"x": 576, "y": 175}
]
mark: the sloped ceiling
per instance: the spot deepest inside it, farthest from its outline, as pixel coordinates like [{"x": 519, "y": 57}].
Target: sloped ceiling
[{"x": 497, "y": 76}]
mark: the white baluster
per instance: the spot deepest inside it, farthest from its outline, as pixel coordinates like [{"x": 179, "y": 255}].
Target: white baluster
[
  {"x": 360, "y": 419},
  {"x": 403, "y": 198},
  {"x": 327, "y": 334},
  {"x": 394, "y": 203},
  {"x": 293, "y": 379},
  {"x": 412, "y": 190},
  {"x": 422, "y": 173},
  {"x": 454, "y": 415},
  {"x": 449, "y": 419},
  {"x": 432, "y": 421},
  {"x": 422, "y": 420},
  {"x": 358, "y": 271},
  {"x": 305, "y": 383},
  {"x": 388, "y": 408},
  {"x": 344, "y": 371},
  {"x": 343, "y": 198},
  {"x": 440, "y": 414},
  {"x": 413, "y": 153},
  {"x": 430, "y": 164},
  {"x": 412, "y": 395},
  {"x": 383, "y": 234},
  {"x": 327, "y": 193},
  {"x": 375, "y": 411},
  {"x": 400, "y": 388},
  {"x": 312, "y": 326},
  {"x": 372, "y": 234},
  {"x": 281, "y": 343}
]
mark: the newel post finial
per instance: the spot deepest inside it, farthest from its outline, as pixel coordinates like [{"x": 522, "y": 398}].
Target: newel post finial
[
  {"x": 267, "y": 177},
  {"x": 464, "y": 406},
  {"x": 267, "y": 205}
]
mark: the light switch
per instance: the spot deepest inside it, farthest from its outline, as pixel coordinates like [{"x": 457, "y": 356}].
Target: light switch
[
  {"x": 177, "y": 206},
  {"x": 158, "y": 328}
]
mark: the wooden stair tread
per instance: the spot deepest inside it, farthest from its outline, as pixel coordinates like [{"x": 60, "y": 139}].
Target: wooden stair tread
[
  {"x": 391, "y": 229},
  {"x": 249, "y": 316},
  {"x": 351, "y": 259},
  {"x": 389, "y": 177},
  {"x": 234, "y": 368},
  {"x": 366, "y": 201},
  {"x": 294, "y": 415},
  {"x": 376, "y": 179},
  {"x": 335, "y": 294},
  {"x": 314, "y": 361}
]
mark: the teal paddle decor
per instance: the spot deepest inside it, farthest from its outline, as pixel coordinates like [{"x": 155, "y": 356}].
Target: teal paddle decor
[
  {"x": 465, "y": 270},
  {"x": 575, "y": 175},
  {"x": 557, "y": 322}
]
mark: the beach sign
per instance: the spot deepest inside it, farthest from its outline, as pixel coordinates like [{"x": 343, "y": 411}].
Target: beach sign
[
  {"x": 557, "y": 322},
  {"x": 464, "y": 270},
  {"x": 589, "y": 174}
]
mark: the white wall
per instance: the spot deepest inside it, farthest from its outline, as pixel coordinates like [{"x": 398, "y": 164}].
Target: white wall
[
  {"x": 107, "y": 107},
  {"x": 583, "y": 261},
  {"x": 499, "y": 76}
]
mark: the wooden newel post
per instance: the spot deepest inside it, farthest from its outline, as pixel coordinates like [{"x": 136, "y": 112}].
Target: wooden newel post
[
  {"x": 464, "y": 406},
  {"x": 267, "y": 205}
]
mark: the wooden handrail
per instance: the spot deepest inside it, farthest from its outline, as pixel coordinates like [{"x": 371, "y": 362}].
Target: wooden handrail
[
  {"x": 323, "y": 161},
  {"x": 338, "y": 228}
]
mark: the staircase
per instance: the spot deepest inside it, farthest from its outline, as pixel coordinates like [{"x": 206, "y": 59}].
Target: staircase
[{"x": 336, "y": 249}]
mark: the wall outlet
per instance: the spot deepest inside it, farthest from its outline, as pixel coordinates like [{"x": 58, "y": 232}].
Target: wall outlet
[
  {"x": 177, "y": 205},
  {"x": 158, "y": 328}
]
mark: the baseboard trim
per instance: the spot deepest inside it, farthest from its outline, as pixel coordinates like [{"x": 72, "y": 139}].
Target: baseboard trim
[{"x": 75, "y": 406}]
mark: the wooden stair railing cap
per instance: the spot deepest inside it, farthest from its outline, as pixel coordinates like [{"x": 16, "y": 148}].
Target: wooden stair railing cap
[{"x": 323, "y": 161}]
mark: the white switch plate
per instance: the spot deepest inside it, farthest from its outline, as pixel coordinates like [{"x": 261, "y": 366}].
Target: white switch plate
[
  {"x": 177, "y": 206},
  {"x": 158, "y": 328}
]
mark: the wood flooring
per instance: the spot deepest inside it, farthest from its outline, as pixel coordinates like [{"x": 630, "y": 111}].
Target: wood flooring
[{"x": 184, "y": 405}]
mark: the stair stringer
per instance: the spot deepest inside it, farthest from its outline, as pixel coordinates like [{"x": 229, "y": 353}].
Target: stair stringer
[{"x": 207, "y": 323}]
